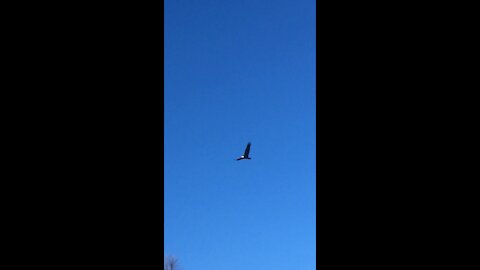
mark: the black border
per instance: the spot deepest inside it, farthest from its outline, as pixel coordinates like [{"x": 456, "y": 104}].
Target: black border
[
  {"x": 381, "y": 170},
  {"x": 96, "y": 198}
]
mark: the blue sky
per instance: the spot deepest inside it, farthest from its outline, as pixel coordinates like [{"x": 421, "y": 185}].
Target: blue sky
[{"x": 238, "y": 72}]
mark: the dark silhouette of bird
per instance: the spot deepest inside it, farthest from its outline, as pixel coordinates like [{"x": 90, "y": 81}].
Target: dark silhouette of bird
[{"x": 245, "y": 155}]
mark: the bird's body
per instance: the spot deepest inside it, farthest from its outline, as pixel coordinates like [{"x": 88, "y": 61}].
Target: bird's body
[{"x": 247, "y": 152}]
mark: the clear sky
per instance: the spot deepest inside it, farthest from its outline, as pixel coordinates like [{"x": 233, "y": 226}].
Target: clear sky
[{"x": 239, "y": 71}]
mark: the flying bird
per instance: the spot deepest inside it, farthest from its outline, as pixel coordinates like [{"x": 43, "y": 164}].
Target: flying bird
[{"x": 245, "y": 155}]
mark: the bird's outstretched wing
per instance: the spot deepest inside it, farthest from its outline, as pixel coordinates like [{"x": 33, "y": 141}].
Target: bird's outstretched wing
[{"x": 247, "y": 150}]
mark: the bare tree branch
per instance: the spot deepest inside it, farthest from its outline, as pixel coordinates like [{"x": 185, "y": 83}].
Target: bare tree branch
[{"x": 171, "y": 263}]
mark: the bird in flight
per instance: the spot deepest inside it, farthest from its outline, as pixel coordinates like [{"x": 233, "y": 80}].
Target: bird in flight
[{"x": 245, "y": 155}]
